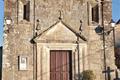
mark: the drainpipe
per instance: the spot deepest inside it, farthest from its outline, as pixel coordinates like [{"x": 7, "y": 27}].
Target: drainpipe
[
  {"x": 17, "y": 11},
  {"x": 34, "y": 47},
  {"x": 104, "y": 51},
  {"x": 79, "y": 76}
]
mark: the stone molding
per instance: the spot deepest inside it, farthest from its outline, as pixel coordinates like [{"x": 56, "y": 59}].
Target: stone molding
[{"x": 43, "y": 50}]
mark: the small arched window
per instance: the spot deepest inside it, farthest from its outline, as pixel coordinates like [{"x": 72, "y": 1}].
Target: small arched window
[
  {"x": 24, "y": 10},
  {"x": 95, "y": 13},
  {"x": 26, "y": 14}
]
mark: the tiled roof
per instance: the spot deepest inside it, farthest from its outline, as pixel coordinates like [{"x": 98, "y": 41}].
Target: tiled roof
[{"x": 118, "y": 22}]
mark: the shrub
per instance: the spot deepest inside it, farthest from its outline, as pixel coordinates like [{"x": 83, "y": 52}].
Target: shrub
[{"x": 88, "y": 75}]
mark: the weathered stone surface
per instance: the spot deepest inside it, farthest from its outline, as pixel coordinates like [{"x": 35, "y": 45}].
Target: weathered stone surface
[
  {"x": 18, "y": 40},
  {"x": 18, "y": 44}
]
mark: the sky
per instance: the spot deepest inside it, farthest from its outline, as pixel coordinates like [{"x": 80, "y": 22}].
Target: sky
[
  {"x": 116, "y": 10},
  {"x": 115, "y": 15},
  {"x": 1, "y": 21}
]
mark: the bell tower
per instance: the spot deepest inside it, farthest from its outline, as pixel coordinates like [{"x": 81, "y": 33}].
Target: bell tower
[{"x": 18, "y": 32}]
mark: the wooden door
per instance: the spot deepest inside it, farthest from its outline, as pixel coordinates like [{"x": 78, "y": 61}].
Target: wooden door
[{"x": 60, "y": 65}]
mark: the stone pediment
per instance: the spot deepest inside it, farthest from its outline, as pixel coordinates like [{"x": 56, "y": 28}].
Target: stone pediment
[{"x": 59, "y": 32}]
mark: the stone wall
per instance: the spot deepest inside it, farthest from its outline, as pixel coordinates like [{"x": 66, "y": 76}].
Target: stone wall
[
  {"x": 107, "y": 11},
  {"x": 117, "y": 37},
  {"x": 117, "y": 44},
  {"x": 17, "y": 40}
]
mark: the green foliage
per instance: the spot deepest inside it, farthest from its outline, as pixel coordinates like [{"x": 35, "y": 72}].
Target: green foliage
[{"x": 88, "y": 75}]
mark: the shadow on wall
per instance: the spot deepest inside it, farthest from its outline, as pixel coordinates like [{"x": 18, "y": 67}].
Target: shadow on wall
[
  {"x": 117, "y": 57},
  {"x": 1, "y": 63},
  {"x": 85, "y": 75}
]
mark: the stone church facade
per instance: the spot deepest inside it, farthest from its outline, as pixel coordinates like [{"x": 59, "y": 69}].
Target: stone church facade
[{"x": 56, "y": 39}]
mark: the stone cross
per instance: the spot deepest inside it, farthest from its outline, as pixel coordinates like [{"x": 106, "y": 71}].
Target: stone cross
[{"x": 108, "y": 72}]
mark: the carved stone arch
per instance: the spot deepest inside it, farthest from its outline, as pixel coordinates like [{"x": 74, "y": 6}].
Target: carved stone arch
[
  {"x": 24, "y": 1},
  {"x": 93, "y": 2}
]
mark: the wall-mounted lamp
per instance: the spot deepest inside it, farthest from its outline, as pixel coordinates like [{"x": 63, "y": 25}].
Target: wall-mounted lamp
[
  {"x": 99, "y": 28},
  {"x": 112, "y": 23}
]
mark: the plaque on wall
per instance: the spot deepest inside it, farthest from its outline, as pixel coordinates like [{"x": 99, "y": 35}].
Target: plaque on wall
[{"x": 23, "y": 63}]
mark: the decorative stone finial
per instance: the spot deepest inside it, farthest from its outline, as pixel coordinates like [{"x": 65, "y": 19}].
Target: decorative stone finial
[
  {"x": 38, "y": 27},
  {"x": 60, "y": 18},
  {"x": 80, "y": 28}
]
